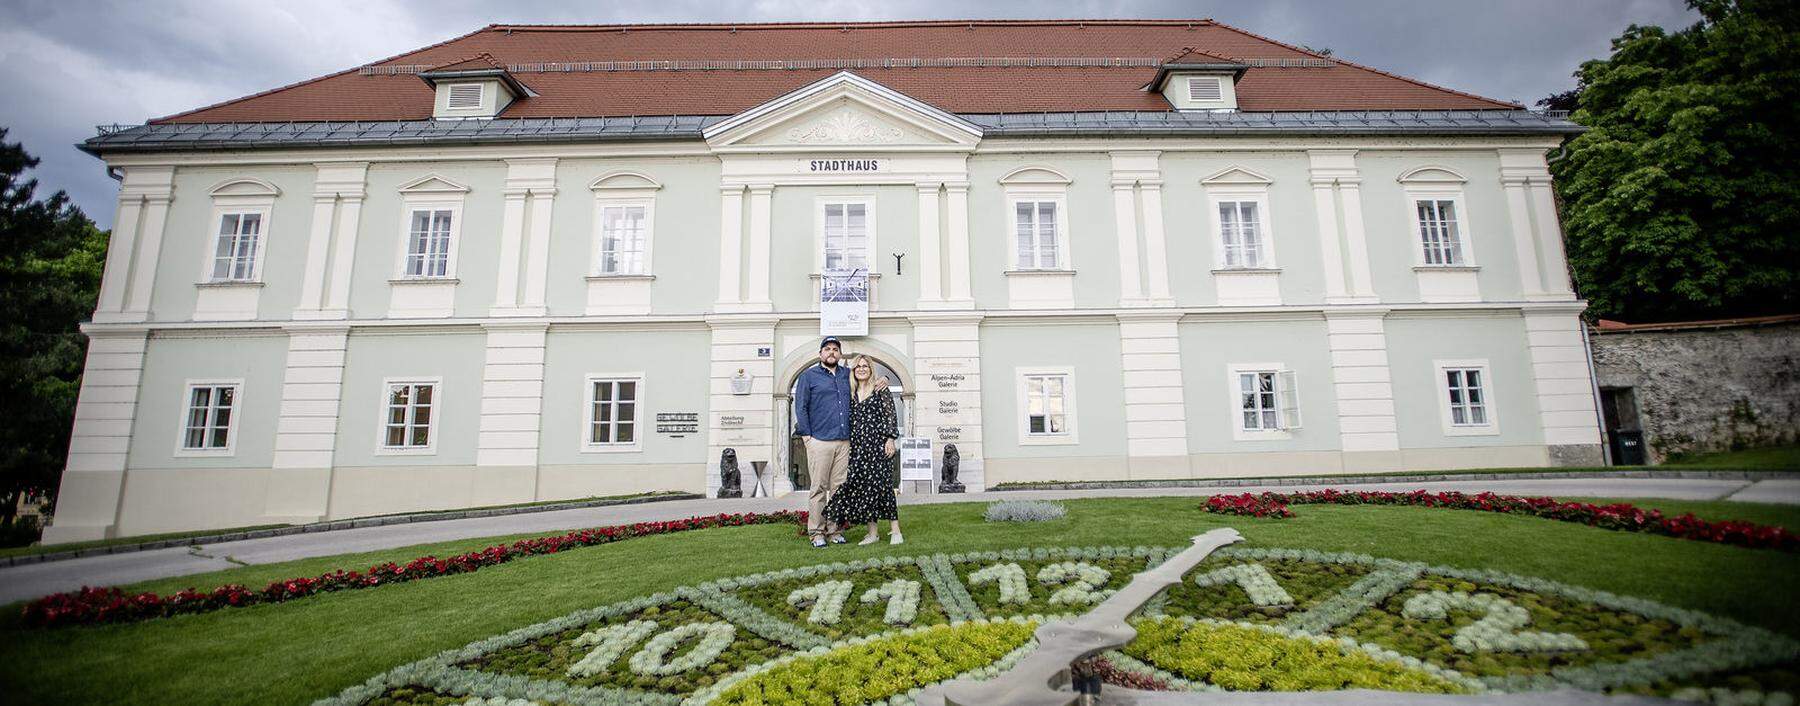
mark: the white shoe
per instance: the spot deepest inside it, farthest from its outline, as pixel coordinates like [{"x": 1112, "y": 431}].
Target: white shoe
[
  {"x": 867, "y": 540},
  {"x": 818, "y": 542},
  {"x": 895, "y": 538}
]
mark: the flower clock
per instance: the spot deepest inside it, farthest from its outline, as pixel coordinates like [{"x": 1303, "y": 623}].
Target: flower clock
[{"x": 878, "y": 631}]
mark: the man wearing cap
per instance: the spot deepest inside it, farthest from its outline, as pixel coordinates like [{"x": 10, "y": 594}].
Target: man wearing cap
[{"x": 822, "y": 419}]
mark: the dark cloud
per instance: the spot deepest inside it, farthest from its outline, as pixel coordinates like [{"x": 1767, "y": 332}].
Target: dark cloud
[{"x": 67, "y": 66}]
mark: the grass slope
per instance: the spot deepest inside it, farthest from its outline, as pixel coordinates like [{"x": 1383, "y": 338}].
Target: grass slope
[{"x": 292, "y": 653}]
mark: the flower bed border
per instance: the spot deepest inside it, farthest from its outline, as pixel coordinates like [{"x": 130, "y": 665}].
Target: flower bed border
[
  {"x": 1616, "y": 516},
  {"x": 89, "y": 606}
]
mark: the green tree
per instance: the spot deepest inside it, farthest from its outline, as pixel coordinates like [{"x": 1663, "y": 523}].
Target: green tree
[
  {"x": 1682, "y": 200},
  {"x": 51, "y": 256}
]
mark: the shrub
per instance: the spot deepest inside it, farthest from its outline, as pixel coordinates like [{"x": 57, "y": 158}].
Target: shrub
[
  {"x": 881, "y": 667},
  {"x": 1024, "y": 511},
  {"x": 1242, "y": 658}
]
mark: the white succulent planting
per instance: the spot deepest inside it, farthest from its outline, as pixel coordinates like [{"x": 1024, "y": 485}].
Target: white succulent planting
[
  {"x": 902, "y": 598},
  {"x": 609, "y": 643},
  {"x": 1084, "y": 581},
  {"x": 1024, "y": 511},
  {"x": 1253, "y": 578},
  {"x": 654, "y": 661},
  {"x": 1734, "y": 697},
  {"x": 827, "y": 601},
  {"x": 1009, "y": 577},
  {"x": 498, "y": 701},
  {"x": 1497, "y": 631}
]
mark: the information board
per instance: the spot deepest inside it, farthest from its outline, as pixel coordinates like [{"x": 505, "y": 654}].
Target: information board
[
  {"x": 844, "y": 303},
  {"x": 915, "y": 459}
]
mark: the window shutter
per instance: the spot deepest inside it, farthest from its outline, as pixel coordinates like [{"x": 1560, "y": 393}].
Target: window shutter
[
  {"x": 465, "y": 96},
  {"x": 1287, "y": 389},
  {"x": 1204, "y": 89}
]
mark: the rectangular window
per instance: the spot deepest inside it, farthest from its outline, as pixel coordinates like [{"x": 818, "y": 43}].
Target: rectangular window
[
  {"x": 428, "y": 243},
  {"x": 210, "y": 415},
  {"x": 1240, "y": 233},
  {"x": 234, "y": 253},
  {"x": 1204, "y": 89},
  {"x": 846, "y": 236},
  {"x": 612, "y": 411},
  {"x": 622, "y": 235},
  {"x": 1438, "y": 231},
  {"x": 465, "y": 96},
  {"x": 1046, "y": 405},
  {"x": 410, "y": 415},
  {"x": 1268, "y": 400},
  {"x": 1468, "y": 397},
  {"x": 1035, "y": 223}
]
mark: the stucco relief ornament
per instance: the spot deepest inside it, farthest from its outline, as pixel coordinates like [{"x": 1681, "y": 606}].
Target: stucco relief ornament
[{"x": 846, "y": 126}]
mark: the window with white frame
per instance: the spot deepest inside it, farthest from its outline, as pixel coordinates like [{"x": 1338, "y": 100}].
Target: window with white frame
[
  {"x": 209, "y": 425},
  {"x": 410, "y": 419},
  {"x": 237, "y": 247},
  {"x": 624, "y": 239},
  {"x": 612, "y": 419},
  {"x": 1440, "y": 235},
  {"x": 1037, "y": 230},
  {"x": 846, "y": 235},
  {"x": 1267, "y": 399},
  {"x": 428, "y": 242},
  {"x": 1046, "y": 399},
  {"x": 1241, "y": 239},
  {"x": 1465, "y": 397}
]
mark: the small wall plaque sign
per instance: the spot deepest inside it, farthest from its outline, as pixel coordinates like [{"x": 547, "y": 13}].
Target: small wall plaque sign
[{"x": 740, "y": 383}]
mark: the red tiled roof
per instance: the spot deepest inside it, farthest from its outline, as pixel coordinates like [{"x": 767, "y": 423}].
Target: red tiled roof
[
  {"x": 478, "y": 62},
  {"x": 355, "y": 95},
  {"x": 1610, "y": 326}
]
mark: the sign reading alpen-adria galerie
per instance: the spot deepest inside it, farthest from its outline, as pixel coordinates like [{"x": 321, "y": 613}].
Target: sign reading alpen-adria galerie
[{"x": 843, "y": 165}]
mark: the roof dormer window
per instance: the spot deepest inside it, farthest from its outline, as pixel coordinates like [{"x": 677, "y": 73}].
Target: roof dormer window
[
  {"x": 476, "y": 87},
  {"x": 1195, "y": 81},
  {"x": 464, "y": 96},
  {"x": 1204, "y": 89}
]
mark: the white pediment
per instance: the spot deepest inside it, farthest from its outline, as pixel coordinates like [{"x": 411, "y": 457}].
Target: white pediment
[
  {"x": 433, "y": 184},
  {"x": 1431, "y": 174},
  {"x": 842, "y": 112},
  {"x": 244, "y": 186},
  {"x": 1236, "y": 176}
]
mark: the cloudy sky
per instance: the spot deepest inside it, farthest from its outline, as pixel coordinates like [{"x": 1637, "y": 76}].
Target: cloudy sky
[{"x": 68, "y": 65}]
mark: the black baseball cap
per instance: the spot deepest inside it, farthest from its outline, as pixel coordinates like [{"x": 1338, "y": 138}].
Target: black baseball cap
[{"x": 830, "y": 340}]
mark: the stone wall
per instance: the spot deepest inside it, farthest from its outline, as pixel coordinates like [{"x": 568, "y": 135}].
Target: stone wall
[{"x": 1704, "y": 388}]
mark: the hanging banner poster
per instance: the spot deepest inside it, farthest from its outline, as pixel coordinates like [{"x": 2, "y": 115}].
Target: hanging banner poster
[
  {"x": 844, "y": 303},
  {"x": 915, "y": 459}
]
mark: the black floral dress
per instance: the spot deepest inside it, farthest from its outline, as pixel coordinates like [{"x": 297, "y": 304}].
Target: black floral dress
[{"x": 868, "y": 491}]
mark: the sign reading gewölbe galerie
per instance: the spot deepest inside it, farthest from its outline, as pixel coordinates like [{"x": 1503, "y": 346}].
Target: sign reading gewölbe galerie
[{"x": 844, "y": 303}]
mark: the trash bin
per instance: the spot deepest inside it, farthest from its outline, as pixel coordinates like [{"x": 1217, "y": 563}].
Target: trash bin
[{"x": 1627, "y": 448}]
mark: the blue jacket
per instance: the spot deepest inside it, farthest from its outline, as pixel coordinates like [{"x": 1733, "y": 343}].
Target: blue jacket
[{"x": 822, "y": 404}]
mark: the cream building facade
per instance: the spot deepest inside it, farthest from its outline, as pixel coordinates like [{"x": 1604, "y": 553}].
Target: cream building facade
[{"x": 315, "y": 320}]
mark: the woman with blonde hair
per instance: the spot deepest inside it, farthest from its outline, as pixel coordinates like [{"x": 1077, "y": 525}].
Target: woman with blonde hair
[{"x": 867, "y": 495}]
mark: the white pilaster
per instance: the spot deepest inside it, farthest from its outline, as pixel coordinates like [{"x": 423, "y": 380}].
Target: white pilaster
[
  {"x": 1565, "y": 392},
  {"x": 512, "y": 393},
  {"x": 94, "y": 478},
  {"x": 1518, "y": 213},
  {"x": 947, "y": 389},
  {"x": 931, "y": 261},
  {"x": 957, "y": 222},
  {"x": 299, "y": 488},
  {"x": 1155, "y": 413},
  {"x": 1550, "y": 240},
  {"x": 1156, "y": 249},
  {"x": 760, "y": 197},
  {"x": 525, "y": 237},
  {"x": 126, "y": 286},
  {"x": 1337, "y": 192},
  {"x": 338, "y": 191},
  {"x": 734, "y": 347},
  {"x": 1131, "y": 289},
  {"x": 731, "y": 246},
  {"x": 1363, "y": 382}
]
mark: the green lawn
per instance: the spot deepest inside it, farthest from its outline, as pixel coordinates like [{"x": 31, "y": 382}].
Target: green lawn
[{"x": 298, "y": 651}]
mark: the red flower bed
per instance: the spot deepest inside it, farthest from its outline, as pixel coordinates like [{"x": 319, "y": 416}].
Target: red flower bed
[
  {"x": 1617, "y": 516},
  {"x": 112, "y": 605}
]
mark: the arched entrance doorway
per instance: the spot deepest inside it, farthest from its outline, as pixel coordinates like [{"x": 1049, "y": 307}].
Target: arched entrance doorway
[{"x": 790, "y": 450}]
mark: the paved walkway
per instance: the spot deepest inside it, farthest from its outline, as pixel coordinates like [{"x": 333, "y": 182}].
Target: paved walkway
[{"x": 33, "y": 580}]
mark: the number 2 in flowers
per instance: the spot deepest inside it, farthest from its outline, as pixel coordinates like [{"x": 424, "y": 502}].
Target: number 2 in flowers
[
  {"x": 1084, "y": 581},
  {"x": 1009, "y": 577},
  {"x": 902, "y": 598},
  {"x": 1496, "y": 631},
  {"x": 608, "y": 643},
  {"x": 827, "y": 601}
]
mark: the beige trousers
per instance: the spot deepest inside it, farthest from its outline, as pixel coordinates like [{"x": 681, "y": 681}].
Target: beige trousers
[{"x": 829, "y": 464}]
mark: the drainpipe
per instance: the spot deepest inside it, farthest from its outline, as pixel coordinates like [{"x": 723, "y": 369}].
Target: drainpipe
[{"x": 1594, "y": 388}]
